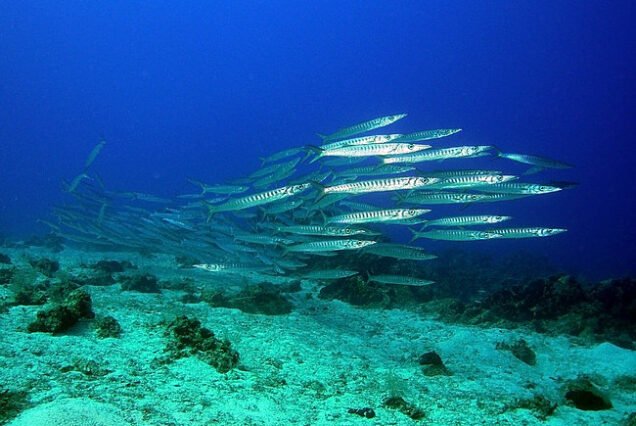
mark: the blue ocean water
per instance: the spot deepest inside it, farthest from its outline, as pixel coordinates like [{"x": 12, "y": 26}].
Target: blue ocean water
[{"x": 196, "y": 89}]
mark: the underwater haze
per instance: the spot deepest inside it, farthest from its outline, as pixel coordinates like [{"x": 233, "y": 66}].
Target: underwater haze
[
  {"x": 204, "y": 89},
  {"x": 317, "y": 213}
]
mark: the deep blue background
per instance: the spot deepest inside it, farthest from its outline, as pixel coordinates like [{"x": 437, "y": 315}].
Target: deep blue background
[{"x": 203, "y": 89}]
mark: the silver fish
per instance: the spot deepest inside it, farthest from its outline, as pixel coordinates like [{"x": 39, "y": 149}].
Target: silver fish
[
  {"x": 369, "y": 150},
  {"x": 427, "y": 134},
  {"x": 400, "y": 280},
  {"x": 365, "y": 126},
  {"x": 440, "y": 154},
  {"x": 455, "y": 235},
  {"x": 527, "y": 232},
  {"x": 380, "y": 185},
  {"x": 328, "y": 274},
  {"x": 519, "y": 188},
  {"x": 399, "y": 251},
  {"x": 467, "y": 220},
  {"x": 258, "y": 199},
  {"x": 377, "y": 216},
  {"x": 329, "y": 246},
  {"x": 539, "y": 163},
  {"x": 93, "y": 154}
]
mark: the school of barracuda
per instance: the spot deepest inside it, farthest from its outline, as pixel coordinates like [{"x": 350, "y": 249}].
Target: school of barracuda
[{"x": 269, "y": 224}]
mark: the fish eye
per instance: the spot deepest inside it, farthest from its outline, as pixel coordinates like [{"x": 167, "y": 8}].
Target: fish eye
[
  {"x": 411, "y": 146},
  {"x": 411, "y": 211}
]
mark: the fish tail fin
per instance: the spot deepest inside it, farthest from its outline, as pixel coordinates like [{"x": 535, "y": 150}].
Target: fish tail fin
[
  {"x": 315, "y": 150},
  {"x": 321, "y": 190},
  {"x": 324, "y": 217},
  {"x": 211, "y": 211},
  {"x": 416, "y": 235},
  {"x": 533, "y": 170},
  {"x": 197, "y": 183},
  {"x": 322, "y": 136}
]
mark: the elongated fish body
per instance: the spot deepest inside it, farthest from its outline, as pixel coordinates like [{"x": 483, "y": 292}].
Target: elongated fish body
[
  {"x": 443, "y": 198},
  {"x": 400, "y": 280},
  {"x": 444, "y": 174},
  {"x": 362, "y": 140},
  {"x": 381, "y": 185},
  {"x": 76, "y": 181},
  {"x": 474, "y": 181},
  {"x": 385, "y": 215},
  {"x": 363, "y": 127},
  {"x": 283, "y": 207},
  {"x": 535, "y": 160},
  {"x": 281, "y": 155},
  {"x": 220, "y": 189},
  {"x": 371, "y": 150},
  {"x": 519, "y": 188},
  {"x": 440, "y": 154},
  {"x": 93, "y": 154},
  {"x": 377, "y": 170},
  {"x": 263, "y": 239},
  {"x": 343, "y": 161},
  {"x": 458, "y": 198},
  {"x": 278, "y": 168},
  {"x": 258, "y": 199},
  {"x": 527, "y": 232},
  {"x": 329, "y": 274},
  {"x": 399, "y": 251},
  {"x": 230, "y": 267},
  {"x": 329, "y": 246},
  {"x": 467, "y": 220},
  {"x": 425, "y": 135},
  {"x": 319, "y": 230},
  {"x": 456, "y": 235}
]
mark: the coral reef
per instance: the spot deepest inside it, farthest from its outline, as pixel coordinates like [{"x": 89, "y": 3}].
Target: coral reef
[
  {"x": 406, "y": 408},
  {"x": 60, "y": 318},
  {"x": 107, "y": 327},
  {"x": 188, "y": 337},
  {"x": 141, "y": 283},
  {"x": 45, "y": 266},
  {"x": 11, "y": 404},
  {"x": 258, "y": 299}
]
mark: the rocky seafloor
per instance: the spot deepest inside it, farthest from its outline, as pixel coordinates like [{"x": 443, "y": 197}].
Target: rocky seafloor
[{"x": 112, "y": 338}]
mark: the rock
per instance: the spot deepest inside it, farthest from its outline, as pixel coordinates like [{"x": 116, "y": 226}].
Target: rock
[
  {"x": 410, "y": 410},
  {"x": 258, "y": 299},
  {"x": 520, "y": 350},
  {"x": 112, "y": 266},
  {"x": 188, "y": 337},
  {"x": 433, "y": 365},
  {"x": 11, "y": 403},
  {"x": 142, "y": 283},
  {"x": 5, "y": 259},
  {"x": 107, "y": 327},
  {"x": 60, "y": 318},
  {"x": 539, "y": 406},
  {"x": 365, "y": 412},
  {"x": 46, "y": 266},
  {"x": 355, "y": 291},
  {"x": 6, "y": 275},
  {"x": 582, "y": 394}
]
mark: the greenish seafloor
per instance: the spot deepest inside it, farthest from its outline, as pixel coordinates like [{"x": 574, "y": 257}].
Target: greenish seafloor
[{"x": 309, "y": 367}]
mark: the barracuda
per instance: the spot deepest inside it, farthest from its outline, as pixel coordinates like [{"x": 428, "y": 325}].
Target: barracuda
[
  {"x": 380, "y": 185},
  {"x": 386, "y": 215},
  {"x": 365, "y": 126},
  {"x": 258, "y": 199},
  {"x": 440, "y": 154},
  {"x": 329, "y": 245}
]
